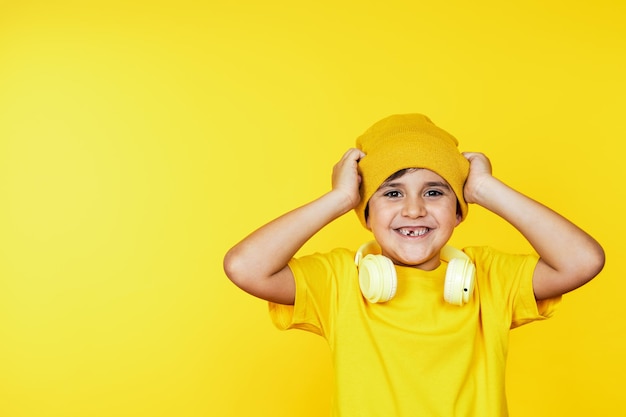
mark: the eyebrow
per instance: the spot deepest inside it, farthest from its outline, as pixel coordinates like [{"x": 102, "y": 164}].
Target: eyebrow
[{"x": 428, "y": 184}]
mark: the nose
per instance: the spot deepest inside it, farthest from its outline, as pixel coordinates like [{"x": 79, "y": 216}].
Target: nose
[{"x": 413, "y": 208}]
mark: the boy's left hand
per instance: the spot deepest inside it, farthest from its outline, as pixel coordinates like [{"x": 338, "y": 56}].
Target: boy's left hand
[
  {"x": 568, "y": 256},
  {"x": 479, "y": 172}
]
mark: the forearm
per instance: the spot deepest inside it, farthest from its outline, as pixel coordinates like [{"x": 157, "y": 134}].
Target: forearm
[
  {"x": 267, "y": 251},
  {"x": 569, "y": 256},
  {"x": 258, "y": 264}
]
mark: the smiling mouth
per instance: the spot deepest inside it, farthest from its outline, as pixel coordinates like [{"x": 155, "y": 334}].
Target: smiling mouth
[{"x": 413, "y": 232}]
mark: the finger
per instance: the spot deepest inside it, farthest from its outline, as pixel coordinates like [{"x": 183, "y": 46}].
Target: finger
[
  {"x": 354, "y": 154},
  {"x": 470, "y": 155}
]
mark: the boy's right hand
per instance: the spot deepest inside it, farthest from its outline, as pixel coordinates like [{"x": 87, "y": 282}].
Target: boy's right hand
[
  {"x": 259, "y": 263},
  {"x": 346, "y": 178}
]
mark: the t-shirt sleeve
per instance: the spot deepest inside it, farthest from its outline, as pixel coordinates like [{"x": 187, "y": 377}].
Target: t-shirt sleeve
[
  {"x": 317, "y": 277},
  {"x": 509, "y": 279},
  {"x": 526, "y": 308}
]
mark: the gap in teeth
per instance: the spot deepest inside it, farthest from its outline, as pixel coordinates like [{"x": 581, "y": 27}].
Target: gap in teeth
[{"x": 419, "y": 232}]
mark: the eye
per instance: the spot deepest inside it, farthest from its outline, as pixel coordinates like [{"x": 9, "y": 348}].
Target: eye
[
  {"x": 393, "y": 194},
  {"x": 433, "y": 193}
]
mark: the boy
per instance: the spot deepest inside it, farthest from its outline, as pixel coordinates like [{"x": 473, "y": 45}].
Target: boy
[{"x": 414, "y": 354}]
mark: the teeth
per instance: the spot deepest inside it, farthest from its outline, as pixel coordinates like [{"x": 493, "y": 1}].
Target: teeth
[{"x": 413, "y": 232}]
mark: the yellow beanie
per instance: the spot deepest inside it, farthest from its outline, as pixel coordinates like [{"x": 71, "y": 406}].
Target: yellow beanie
[{"x": 409, "y": 141}]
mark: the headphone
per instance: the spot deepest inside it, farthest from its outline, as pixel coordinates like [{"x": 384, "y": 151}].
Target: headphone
[{"x": 378, "y": 280}]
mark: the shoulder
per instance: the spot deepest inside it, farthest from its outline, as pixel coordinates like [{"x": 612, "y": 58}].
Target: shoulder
[
  {"x": 500, "y": 271},
  {"x": 340, "y": 255},
  {"x": 485, "y": 257},
  {"x": 335, "y": 260}
]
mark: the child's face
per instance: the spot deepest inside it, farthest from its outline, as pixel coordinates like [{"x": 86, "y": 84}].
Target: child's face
[{"x": 412, "y": 217}]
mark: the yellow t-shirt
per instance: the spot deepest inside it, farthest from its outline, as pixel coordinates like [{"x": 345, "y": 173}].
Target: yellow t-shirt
[{"x": 415, "y": 355}]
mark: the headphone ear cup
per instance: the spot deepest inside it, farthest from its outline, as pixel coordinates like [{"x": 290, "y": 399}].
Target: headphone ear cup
[
  {"x": 459, "y": 283},
  {"x": 377, "y": 278}
]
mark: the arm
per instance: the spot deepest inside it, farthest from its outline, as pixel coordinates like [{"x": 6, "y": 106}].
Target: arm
[
  {"x": 569, "y": 257},
  {"x": 258, "y": 264}
]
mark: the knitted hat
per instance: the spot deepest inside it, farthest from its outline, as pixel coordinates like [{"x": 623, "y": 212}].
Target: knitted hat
[{"x": 408, "y": 141}]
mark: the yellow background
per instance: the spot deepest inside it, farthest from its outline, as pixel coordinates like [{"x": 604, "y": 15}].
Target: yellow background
[{"x": 140, "y": 140}]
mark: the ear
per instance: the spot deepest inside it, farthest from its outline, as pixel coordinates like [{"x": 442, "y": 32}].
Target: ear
[
  {"x": 459, "y": 218},
  {"x": 366, "y": 214},
  {"x": 459, "y": 214}
]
